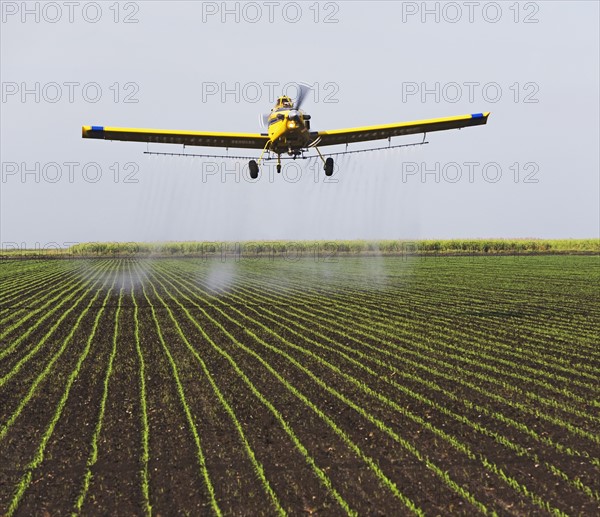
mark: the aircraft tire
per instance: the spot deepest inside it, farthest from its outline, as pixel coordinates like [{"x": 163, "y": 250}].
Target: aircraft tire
[
  {"x": 253, "y": 169},
  {"x": 328, "y": 167}
]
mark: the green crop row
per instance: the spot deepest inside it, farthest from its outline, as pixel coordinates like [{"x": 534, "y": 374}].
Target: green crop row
[{"x": 145, "y": 429}]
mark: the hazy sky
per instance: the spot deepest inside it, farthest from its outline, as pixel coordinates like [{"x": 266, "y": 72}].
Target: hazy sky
[{"x": 532, "y": 171}]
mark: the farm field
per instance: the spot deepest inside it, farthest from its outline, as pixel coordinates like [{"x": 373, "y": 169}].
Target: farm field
[{"x": 355, "y": 385}]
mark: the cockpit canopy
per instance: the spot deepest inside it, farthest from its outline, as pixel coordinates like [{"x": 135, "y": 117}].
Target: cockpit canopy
[{"x": 284, "y": 102}]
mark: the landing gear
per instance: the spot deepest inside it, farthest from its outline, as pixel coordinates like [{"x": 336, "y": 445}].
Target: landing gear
[
  {"x": 254, "y": 166},
  {"x": 278, "y": 163},
  {"x": 328, "y": 167},
  {"x": 253, "y": 169},
  {"x": 328, "y": 164}
]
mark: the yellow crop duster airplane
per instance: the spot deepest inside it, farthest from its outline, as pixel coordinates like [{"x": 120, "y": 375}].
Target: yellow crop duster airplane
[{"x": 288, "y": 132}]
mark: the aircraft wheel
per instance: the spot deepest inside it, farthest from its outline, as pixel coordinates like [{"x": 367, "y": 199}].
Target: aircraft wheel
[
  {"x": 328, "y": 167},
  {"x": 253, "y": 169},
  {"x": 278, "y": 168}
]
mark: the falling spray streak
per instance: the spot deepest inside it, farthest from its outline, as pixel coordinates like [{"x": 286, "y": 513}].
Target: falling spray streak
[
  {"x": 152, "y": 202},
  {"x": 368, "y": 201}
]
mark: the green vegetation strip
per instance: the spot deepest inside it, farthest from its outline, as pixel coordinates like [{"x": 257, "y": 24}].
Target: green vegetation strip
[{"x": 327, "y": 248}]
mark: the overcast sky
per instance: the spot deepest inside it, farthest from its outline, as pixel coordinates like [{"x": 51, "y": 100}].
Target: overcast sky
[{"x": 532, "y": 171}]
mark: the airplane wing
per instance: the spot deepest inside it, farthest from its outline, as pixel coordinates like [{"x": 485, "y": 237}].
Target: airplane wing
[
  {"x": 361, "y": 134},
  {"x": 201, "y": 138}
]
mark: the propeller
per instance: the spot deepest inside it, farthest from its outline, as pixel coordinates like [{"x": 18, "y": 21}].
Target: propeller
[
  {"x": 263, "y": 119},
  {"x": 303, "y": 89}
]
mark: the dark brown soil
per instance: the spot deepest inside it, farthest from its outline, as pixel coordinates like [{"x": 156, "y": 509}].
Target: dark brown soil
[{"x": 354, "y": 368}]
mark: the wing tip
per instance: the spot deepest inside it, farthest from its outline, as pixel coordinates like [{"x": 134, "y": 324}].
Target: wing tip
[
  {"x": 92, "y": 131},
  {"x": 480, "y": 118}
]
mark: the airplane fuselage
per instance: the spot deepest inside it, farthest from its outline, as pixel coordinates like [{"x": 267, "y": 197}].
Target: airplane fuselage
[{"x": 288, "y": 130}]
